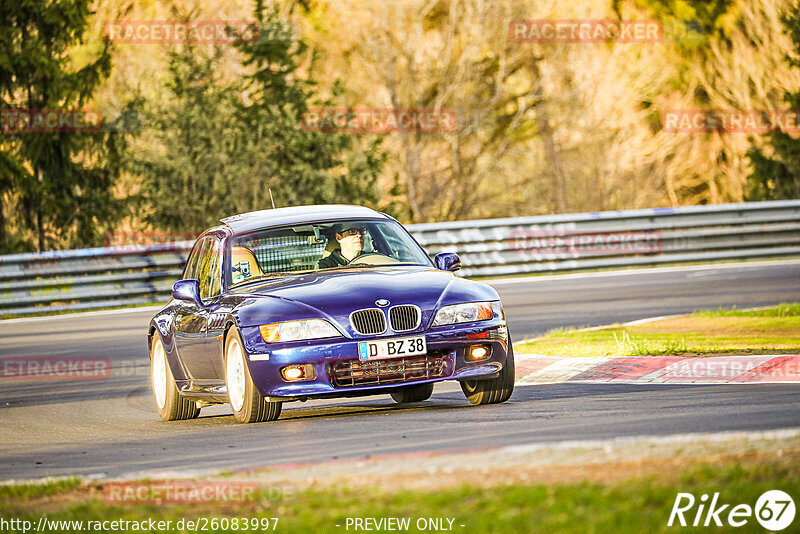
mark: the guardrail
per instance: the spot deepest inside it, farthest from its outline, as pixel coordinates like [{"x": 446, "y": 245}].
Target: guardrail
[{"x": 130, "y": 275}]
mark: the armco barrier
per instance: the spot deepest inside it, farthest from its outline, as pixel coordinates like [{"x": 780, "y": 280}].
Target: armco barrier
[{"x": 129, "y": 275}]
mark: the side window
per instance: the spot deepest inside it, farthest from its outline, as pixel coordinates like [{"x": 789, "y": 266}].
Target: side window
[
  {"x": 191, "y": 264},
  {"x": 216, "y": 282},
  {"x": 206, "y": 265}
]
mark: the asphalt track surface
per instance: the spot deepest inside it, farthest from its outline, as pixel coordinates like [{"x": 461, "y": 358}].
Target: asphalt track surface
[{"x": 109, "y": 428}]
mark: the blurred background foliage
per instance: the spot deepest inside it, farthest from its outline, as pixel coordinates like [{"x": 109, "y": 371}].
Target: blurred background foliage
[{"x": 198, "y": 132}]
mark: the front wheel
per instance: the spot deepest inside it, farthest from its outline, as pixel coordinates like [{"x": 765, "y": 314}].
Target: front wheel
[
  {"x": 249, "y": 406},
  {"x": 416, "y": 393},
  {"x": 169, "y": 403},
  {"x": 492, "y": 391}
]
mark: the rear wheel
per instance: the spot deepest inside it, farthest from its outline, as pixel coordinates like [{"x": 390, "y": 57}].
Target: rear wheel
[
  {"x": 416, "y": 393},
  {"x": 169, "y": 404},
  {"x": 492, "y": 391},
  {"x": 249, "y": 406}
]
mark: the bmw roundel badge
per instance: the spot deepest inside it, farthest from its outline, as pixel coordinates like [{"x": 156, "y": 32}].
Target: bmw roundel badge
[{"x": 382, "y": 302}]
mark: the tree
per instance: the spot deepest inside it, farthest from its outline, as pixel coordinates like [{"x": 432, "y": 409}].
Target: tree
[
  {"x": 57, "y": 183},
  {"x": 455, "y": 56},
  {"x": 225, "y": 141},
  {"x": 776, "y": 175},
  {"x": 188, "y": 174}
]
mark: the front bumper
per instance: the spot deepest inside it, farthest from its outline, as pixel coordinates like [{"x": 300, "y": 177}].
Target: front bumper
[{"x": 338, "y": 371}]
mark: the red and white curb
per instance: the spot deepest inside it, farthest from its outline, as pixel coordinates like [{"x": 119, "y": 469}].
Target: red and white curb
[{"x": 538, "y": 369}]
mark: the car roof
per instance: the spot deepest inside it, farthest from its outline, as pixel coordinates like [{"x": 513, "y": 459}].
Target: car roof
[{"x": 245, "y": 222}]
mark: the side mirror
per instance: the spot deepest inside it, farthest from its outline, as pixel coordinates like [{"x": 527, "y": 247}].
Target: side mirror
[
  {"x": 447, "y": 261},
  {"x": 187, "y": 290}
]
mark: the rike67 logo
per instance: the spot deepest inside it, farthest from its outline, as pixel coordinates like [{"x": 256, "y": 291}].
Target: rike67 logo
[{"x": 774, "y": 510}]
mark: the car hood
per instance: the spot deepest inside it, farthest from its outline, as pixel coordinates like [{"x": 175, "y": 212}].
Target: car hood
[{"x": 334, "y": 295}]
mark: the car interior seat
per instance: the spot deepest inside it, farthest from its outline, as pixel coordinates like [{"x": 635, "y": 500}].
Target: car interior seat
[
  {"x": 330, "y": 247},
  {"x": 244, "y": 263}
]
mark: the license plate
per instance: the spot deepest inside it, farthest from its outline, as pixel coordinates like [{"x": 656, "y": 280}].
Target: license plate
[{"x": 391, "y": 348}]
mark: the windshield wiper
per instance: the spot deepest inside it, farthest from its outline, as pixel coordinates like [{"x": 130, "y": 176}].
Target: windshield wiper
[
  {"x": 349, "y": 266},
  {"x": 270, "y": 276}
]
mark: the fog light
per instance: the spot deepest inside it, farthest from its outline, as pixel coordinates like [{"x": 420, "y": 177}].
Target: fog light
[
  {"x": 478, "y": 352},
  {"x": 293, "y": 373}
]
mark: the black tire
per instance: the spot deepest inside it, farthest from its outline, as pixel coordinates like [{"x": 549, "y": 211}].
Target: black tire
[
  {"x": 492, "y": 391},
  {"x": 248, "y": 405},
  {"x": 174, "y": 406},
  {"x": 415, "y": 393}
]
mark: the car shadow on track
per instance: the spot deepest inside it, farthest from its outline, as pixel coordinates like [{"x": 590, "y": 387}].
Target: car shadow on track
[
  {"x": 442, "y": 402},
  {"x": 297, "y": 412}
]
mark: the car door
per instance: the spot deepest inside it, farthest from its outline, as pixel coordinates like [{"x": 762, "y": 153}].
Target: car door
[
  {"x": 191, "y": 320},
  {"x": 211, "y": 292}
]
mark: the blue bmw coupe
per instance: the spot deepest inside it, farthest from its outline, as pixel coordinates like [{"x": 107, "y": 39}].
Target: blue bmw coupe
[{"x": 310, "y": 302}]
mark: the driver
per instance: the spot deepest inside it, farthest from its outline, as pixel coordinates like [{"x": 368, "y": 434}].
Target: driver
[{"x": 351, "y": 242}]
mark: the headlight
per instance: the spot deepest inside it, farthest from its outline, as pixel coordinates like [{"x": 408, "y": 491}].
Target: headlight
[
  {"x": 297, "y": 330},
  {"x": 468, "y": 313}
]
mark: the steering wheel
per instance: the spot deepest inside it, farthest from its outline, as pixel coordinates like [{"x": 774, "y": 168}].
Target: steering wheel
[{"x": 374, "y": 258}]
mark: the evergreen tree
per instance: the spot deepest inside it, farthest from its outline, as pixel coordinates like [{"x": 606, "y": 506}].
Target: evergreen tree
[
  {"x": 776, "y": 176},
  {"x": 227, "y": 143},
  {"x": 304, "y": 167},
  {"x": 58, "y": 183},
  {"x": 188, "y": 178}
]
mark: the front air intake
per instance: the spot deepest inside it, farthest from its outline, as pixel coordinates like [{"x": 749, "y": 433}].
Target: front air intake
[
  {"x": 368, "y": 322},
  {"x": 404, "y": 318}
]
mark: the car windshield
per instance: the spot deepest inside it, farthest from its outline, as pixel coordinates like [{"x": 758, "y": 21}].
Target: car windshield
[{"x": 274, "y": 252}]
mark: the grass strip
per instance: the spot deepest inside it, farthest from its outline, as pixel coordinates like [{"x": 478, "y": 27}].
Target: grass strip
[
  {"x": 774, "y": 330},
  {"x": 630, "y": 505}
]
